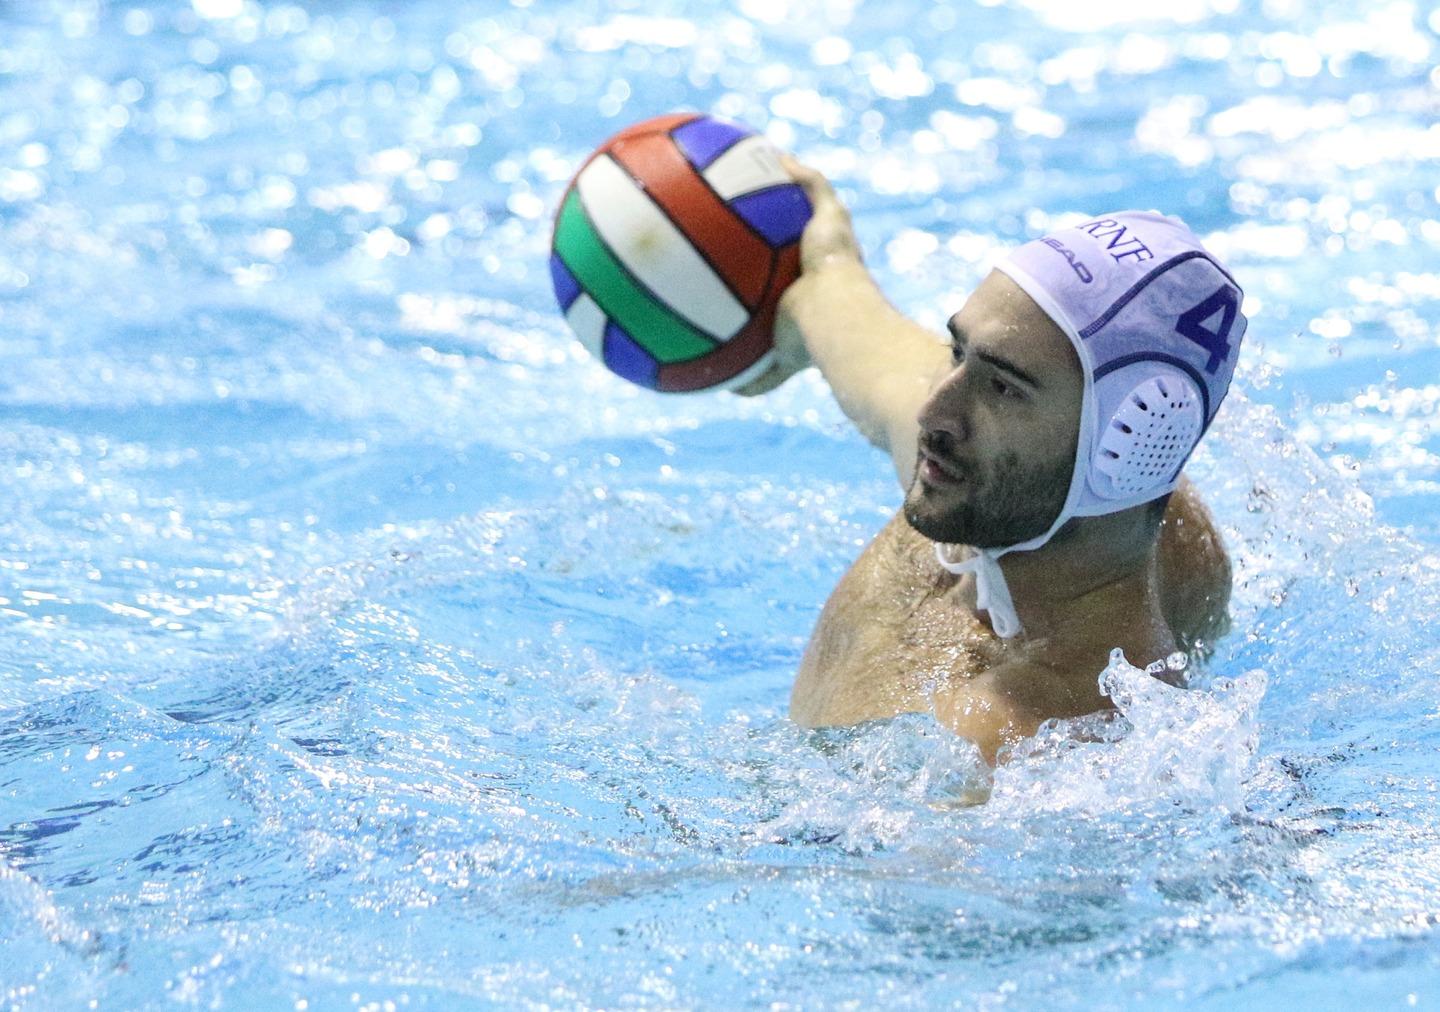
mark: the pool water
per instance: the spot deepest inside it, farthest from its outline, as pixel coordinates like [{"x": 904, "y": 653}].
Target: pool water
[{"x": 366, "y": 645}]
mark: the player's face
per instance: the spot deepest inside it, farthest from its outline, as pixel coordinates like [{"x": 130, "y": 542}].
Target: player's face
[{"x": 997, "y": 436}]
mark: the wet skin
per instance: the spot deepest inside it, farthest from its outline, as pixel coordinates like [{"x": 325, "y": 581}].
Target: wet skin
[
  {"x": 982, "y": 436},
  {"x": 899, "y": 634}
]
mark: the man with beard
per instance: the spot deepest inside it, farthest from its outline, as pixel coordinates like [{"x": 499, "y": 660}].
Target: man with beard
[{"x": 1045, "y": 520}]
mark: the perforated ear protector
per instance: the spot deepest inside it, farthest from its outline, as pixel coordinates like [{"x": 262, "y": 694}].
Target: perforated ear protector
[{"x": 1149, "y": 435}]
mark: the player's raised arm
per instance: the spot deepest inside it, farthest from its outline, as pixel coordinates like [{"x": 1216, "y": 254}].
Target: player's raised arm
[{"x": 880, "y": 364}]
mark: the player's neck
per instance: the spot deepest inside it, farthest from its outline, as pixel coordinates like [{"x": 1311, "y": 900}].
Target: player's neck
[{"x": 1096, "y": 579}]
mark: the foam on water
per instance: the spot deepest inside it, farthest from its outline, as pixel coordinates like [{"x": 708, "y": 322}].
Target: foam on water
[{"x": 366, "y": 643}]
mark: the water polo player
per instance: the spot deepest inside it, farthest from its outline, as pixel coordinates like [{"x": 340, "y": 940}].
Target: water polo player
[{"x": 1045, "y": 519}]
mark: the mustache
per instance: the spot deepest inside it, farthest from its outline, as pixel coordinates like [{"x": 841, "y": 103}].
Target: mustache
[{"x": 936, "y": 446}]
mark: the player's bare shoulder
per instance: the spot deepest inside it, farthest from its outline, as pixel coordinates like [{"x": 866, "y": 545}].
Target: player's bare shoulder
[
  {"x": 889, "y": 636},
  {"x": 1194, "y": 571}
]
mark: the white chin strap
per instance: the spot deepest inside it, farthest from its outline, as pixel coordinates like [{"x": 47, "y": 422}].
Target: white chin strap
[{"x": 991, "y": 593}]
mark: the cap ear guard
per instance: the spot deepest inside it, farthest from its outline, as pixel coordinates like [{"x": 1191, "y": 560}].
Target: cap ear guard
[{"x": 1149, "y": 436}]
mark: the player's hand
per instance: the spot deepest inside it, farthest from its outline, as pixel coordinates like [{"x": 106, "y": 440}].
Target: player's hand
[
  {"x": 828, "y": 238},
  {"x": 829, "y": 235}
]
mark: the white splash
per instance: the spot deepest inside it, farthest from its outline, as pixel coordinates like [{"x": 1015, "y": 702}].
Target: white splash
[{"x": 1188, "y": 747}]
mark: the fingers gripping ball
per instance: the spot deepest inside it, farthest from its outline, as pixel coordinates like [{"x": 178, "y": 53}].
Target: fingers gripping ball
[{"x": 672, "y": 247}]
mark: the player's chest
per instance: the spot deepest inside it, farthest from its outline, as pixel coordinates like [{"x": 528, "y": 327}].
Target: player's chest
[{"x": 892, "y": 633}]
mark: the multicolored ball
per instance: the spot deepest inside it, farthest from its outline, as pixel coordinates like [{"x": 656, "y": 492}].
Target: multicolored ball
[{"x": 671, "y": 249}]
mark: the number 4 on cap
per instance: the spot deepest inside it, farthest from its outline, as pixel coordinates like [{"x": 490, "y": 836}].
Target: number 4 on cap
[{"x": 1195, "y": 322}]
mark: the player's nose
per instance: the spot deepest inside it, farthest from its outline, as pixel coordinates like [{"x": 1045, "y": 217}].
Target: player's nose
[{"x": 944, "y": 411}]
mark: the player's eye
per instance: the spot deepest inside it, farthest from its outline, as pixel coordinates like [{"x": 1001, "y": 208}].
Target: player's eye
[{"x": 1005, "y": 389}]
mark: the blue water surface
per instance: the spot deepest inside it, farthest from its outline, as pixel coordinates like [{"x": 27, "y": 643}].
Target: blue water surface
[{"x": 367, "y": 645}]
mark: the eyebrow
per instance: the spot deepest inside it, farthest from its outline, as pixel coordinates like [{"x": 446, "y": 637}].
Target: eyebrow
[{"x": 997, "y": 361}]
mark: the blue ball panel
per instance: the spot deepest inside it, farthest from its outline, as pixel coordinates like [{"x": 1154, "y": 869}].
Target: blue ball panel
[
  {"x": 567, "y": 289},
  {"x": 627, "y": 359},
  {"x": 703, "y": 140},
  {"x": 779, "y": 213}
]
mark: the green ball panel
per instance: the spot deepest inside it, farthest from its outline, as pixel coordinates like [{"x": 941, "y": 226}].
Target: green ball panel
[{"x": 652, "y": 324}]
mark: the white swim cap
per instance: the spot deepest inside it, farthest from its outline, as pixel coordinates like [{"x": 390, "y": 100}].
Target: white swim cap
[{"x": 1156, "y": 322}]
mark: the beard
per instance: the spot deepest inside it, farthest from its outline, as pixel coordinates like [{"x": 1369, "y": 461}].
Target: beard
[{"x": 1009, "y": 504}]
